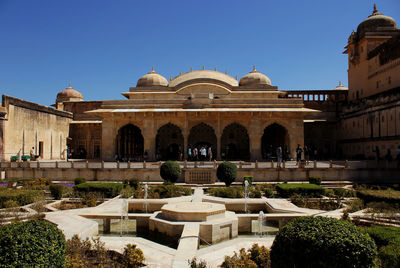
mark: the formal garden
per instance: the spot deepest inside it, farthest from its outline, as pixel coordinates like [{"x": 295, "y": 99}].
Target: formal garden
[{"x": 366, "y": 233}]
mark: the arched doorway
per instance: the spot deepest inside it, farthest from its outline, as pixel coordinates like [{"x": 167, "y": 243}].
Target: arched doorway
[
  {"x": 235, "y": 143},
  {"x": 275, "y": 135},
  {"x": 169, "y": 143},
  {"x": 130, "y": 143},
  {"x": 203, "y": 135}
]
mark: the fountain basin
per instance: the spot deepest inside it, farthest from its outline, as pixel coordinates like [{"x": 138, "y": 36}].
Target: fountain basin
[
  {"x": 193, "y": 212},
  {"x": 215, "y": 223}
]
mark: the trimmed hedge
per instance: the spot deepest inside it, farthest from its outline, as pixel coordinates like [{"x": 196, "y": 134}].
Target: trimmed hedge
[
  {"x": 35, "y": 243},
  {"x": 170, "y": 171},
  {"x": 22, "y": 197},
  {"x": 322, "y": 242},
  {"x": 234, "y": 192},
  {"x": 305, "y": 189},
  {"x": 107, "y": 189},
  {"x": 389, "y": 196},
  {"x": 164, "y": 191},
  {"x": 227, "y": 172},
  {"x": 388, "y": 241},
  {"x": 56, "y": 191}
]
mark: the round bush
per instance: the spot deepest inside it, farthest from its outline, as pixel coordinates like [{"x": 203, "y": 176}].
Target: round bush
[
  {"x": 56, "y": 191},
  {"x": 79, "y": 181},
  {"x": 227, "y": 172},
  {"x": 170, "y": 171},
  {"x": 34, "y": 243},
  {"x": 322, "y": 242}
]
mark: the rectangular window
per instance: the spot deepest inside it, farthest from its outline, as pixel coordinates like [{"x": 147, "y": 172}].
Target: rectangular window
[{"x": 41, "y": 149}]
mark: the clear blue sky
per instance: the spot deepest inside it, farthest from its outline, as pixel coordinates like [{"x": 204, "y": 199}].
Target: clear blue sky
[{"x": 103, "y": 47}]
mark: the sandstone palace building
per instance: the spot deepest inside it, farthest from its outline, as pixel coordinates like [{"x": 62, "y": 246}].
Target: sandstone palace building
[{"x": 240, "y": 119}]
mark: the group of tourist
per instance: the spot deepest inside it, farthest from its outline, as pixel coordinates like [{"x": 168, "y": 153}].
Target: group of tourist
[{"x": 203, "y": 153}]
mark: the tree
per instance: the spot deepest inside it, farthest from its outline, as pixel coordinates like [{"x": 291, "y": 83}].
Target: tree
[
  {"x": 227, "y": 172},
  {"x": 170, "y": 171},
  {"x": 32, "y": 244},
  {"x": 322, "y": 242}
]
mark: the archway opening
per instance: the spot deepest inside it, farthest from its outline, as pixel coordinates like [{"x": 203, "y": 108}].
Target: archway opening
[
  {"x": 235, "y": 143},
  {"x": 275, "y": 135},
  {"x": 130, "y": 143},
  {"x": 203, "y": 136},
  {"x": 169, "y": 143}
]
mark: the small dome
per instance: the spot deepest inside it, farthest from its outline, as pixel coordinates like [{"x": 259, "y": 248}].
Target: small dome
[
  {"x": 340, "y": 87},
  {"x": 376, "y": 20},
  {"x": 152, "y": 79},
  {"x": 254, "y": 78},
  {"x": 69, "y": 94}
]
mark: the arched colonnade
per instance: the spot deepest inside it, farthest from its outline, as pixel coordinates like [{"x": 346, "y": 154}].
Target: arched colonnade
[{"x": 172, "y": 143}]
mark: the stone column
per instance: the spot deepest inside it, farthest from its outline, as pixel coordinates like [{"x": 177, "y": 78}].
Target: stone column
[
  {"x": 108, "y": 140},
  {"x": 219, "y": 147},
  {"x": 255, "y": 147},
  {"x": 2, "y": 156},
  {"x": 149, "y": 137}
]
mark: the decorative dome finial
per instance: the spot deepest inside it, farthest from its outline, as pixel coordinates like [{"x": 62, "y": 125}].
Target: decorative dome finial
[
  {"x": 254, "y": 68},
  {"x": 375, "y": 10},
  {"x": 340, "y": 83},
  {"x": 70, "y": 85},
  {"x": 152, "y": 69}
]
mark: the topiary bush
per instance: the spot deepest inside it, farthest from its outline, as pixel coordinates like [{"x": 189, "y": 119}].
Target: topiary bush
[
  {"x": 322, "y": 242},
  {"x": 315, "y": 180},
  {"x": 227, "y": 172},
  {"x": 56, "y": 191},
  {"x": 305, "y": 189},
  {"x": 255, "y": 257},
  {"x": 34, "y": 243},
  {"x": 107, "y": 189},
  {"x": 267, "y": 188},
  {"x": 170, "y": 171},
  {"x": 79, "y": 181}
]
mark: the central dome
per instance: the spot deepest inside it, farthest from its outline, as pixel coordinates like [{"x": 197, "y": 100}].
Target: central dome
[
  {"x": 203, "y": 75},
  {"x": 376, "y": 20},
  {"x": 255, "y": 78}
]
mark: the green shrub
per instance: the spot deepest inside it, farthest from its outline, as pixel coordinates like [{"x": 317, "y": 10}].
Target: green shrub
[
  {"x": 127, "y": 192},
  {"x": 164, "y": 191},
  {"x": 32, "y": 244},
  {"x": 255, "y": 257},
  {"x": 267, "y": 188},
  {"x": 107, "y": 189},
  {"x": 227, "y": 172},
  {"x": 305, "y": 189},
  {"x": 388, "y": 196},
  {"x": 388, "y": 241},
  {"x": 339, "y": 192},
  {"x": 227, "y": 192},
  {"x": 23, "y": 197},
  {"x": 36, "y": 184},
  {"x": 79, "y": 181},
  {"x": 249, "y": 179},
  {"x": 170, "y": 171},
  {"x": 56, "y": 191},
  {"x": 134, "y": 183},
  {"x": 133, "y": 256},
  {"x": 233, "y": 192},
  {"x": 315, "y": 180},
  {"x": 322, "y": 242},
  {"x": 355, "y": 205}
]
